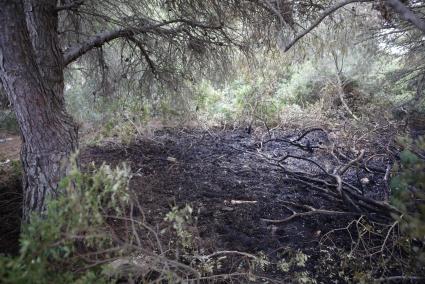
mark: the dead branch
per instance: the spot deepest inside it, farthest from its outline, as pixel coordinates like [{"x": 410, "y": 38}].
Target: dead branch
[
  {"x": 342, "y": 170},
  {"x": 332, "y": 186},
  {"x": 369, "y": 168},
  {"x": 344, "y": 104},
  {"x": 234, "y": 252},
  {"x": 308, "y": 132},
  {"x": 400, "y": 279},
  {"x": 288, "y": 156},
  {"x": 295, "y": 142},
  {"x": 310, "y": 211}
]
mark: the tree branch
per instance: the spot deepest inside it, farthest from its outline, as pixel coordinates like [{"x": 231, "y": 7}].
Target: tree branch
[
  {"x": 325, "y": 14},
  {"x": 144, "y": 53},
  {"x": 70, "y": 6},
  {"x": 73, "y": 53},
  {"x": 406, "y": 14}
]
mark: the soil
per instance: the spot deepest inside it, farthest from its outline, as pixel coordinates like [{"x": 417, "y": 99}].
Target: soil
[
  {"x": 227, "y": 177},
  {"x": 10, "y": 193}
]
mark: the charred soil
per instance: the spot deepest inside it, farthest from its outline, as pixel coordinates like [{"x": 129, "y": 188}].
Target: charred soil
[{"x": 232, "y": 181}]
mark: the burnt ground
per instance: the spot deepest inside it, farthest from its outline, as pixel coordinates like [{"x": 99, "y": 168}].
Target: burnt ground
[
  {"x": 10, "y": 193},
  {"x": 230, "y": 181}
]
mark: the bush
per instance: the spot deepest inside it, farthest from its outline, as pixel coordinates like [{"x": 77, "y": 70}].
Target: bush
[
  {"x": 53, "y": 246},
  {"x": 409, "y": 196},
  {"x": 8, "y": 121}
]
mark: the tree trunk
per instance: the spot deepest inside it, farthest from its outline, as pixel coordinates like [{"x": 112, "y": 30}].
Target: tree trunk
[{"x": 31, "y": 70}]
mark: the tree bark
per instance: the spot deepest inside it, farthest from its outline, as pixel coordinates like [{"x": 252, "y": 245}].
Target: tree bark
[{"x": 31, "y": 69}]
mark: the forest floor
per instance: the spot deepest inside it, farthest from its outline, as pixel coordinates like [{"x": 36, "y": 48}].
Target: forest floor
[
  {"x": 236, "y": 188},
  {"x": 231, "y": 180},
  {"x": 10, "y": 192}
]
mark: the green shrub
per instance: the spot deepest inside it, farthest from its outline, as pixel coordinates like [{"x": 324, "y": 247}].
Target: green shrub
[
  {"x": 73, "y": 225},
  {"x": 181, "y": 219},
  {"x": 8, "y": 121},
  {"x": 408, "y": 188}
]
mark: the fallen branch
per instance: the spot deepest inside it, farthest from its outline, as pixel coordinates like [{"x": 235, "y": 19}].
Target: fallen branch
[
  {"x": 401, "y": 279},
  {"x": 235, "y": 202},
  {"x": 311, "y": 211},
  {"x": 333, "y": 187},
  {"x": 295, "y": 142},
  {"x": 342, "y": 170},
  {"x": 308, "y": 132}
]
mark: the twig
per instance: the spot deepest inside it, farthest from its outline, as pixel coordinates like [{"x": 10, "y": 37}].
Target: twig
[
  {"x": 304, "y": 159},
  {"x": 308, "y": 132},
  {"x": 397, "y": 279},
  {"x": 310, "y": 213},
  {"x": 386, "y": 181},
  {"x": 226, "y": 252},
  {"x": 347, "y": 166},
  {"x": 295, "y": 142}
]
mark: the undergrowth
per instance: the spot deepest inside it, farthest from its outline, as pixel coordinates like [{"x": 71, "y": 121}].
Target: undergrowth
[
  {"x": 95, "y": 233},
  {"x": 409, "y": 196},
  {"x": 8, "y": 122},
  {"x": 384, "y": 252},
  {"x": 60, "y": 246}
]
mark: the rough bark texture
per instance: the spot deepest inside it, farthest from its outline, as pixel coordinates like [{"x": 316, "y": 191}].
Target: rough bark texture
[{"x": 31, "y": 70}]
